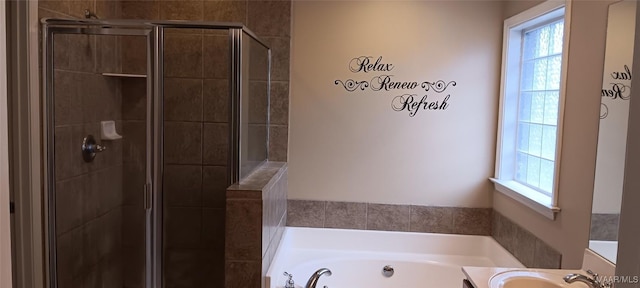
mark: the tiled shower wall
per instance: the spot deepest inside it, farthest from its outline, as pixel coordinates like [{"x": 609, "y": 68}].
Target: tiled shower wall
[
  {"x": 270, "y": 20},
  {"x": 196, "y": 128},
  {"x": 89, "y": 195}
]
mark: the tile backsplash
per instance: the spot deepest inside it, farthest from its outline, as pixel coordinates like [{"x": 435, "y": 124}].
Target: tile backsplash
[
  {"x": 389, "y": 217},
  {"x": 526, "y": 247},
  {"x": 604, "y": 226}
]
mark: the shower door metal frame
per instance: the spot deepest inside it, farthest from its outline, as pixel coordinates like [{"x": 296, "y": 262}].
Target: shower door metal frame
[{"x": 152, "y": 191}]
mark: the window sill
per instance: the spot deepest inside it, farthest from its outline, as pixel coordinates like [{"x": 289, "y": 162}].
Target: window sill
[{"x": 540, "y": 203}]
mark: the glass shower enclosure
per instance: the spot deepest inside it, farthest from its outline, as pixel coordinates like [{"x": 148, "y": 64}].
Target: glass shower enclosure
[{"x": 146, "y": 125}]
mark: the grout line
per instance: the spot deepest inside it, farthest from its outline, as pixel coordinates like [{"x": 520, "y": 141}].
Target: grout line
[
  {"x": 324, "y": 214},
  {"x": 366, "y": 215}
]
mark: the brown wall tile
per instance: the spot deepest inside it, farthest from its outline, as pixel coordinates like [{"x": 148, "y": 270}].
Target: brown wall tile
[
  {"x": 55, "y": 5},
  {"x": 472, "y": 221},
  {"x": 526, "y": 247},
  {"x": 60, "y": 44},
  {"x": 133, "y": 228},
  {"x": 183, "y": 227},
  {"x": 278, "y": 143},
  {"x": 69, "y": 203},
  {"x": 183, "y": 143},
  {"x": 68, "y": 102},
  {"x": 280, "y": 55},
  {"x": 134, "y": 141},
  {"x": 108, "y": 9},
  {"x": 68, "y": 162},
  {"x": 183, "y": 99},
  {"x": 133, "y": 267},
  {"x": 216, "y": 56},
  {"x": 279, "y": 104},
  {"x": 243, "y": 230},
  {"x": 181, "y": 10},
  {"x": 82, "y": 52},
  {"x": 182, "y": 185},
  {"x": 69, "y": 255},
  {"x": 216, "y": 100},
  {"x": 305, "y": 213},
  {"x": 183, "y": 53},
  {"x": 503, "y": 230},
  {"x": 213, "y": 227},
  {"x": 216, "y": 144},
  {"x": 243, "y": 274},
  {"x": 183, "y": 269},
  {"x": 107, "y": 184},
  {"x": 77, "y": 7},
  {"x": 347, "y": 215},
  {"x": 100, "y": 98},
  {"x": 140, "y": 10},
  {"x": 270, "y": 18},
  {"x": 133, "y": 179},
  {"x": 604, "y": 227},
  {"x": 134, "y": 99},
  {"x": 546, "y": 257},
  {"x": 214, "y": 186},
  {"x": 108, "y": 48},
  {"x": 388, "y": 217},
  {"x": 212, "y": 266},
  {"x": 225, "y": 10},
  {"x": 134, "y": 63},
  {"x": 431, "y": 219}
]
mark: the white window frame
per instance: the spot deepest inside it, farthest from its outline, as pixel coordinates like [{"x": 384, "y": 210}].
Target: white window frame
[{"x": 510, "y": 80}]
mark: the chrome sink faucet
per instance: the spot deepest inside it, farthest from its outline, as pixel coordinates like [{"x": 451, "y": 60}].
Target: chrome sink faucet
[
  {"x": 593, "y": 281},
  {"x": 316, "y": 276}
]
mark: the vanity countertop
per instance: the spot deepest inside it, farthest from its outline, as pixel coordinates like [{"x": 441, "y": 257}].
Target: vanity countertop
[{"x": 480, "y": 276}]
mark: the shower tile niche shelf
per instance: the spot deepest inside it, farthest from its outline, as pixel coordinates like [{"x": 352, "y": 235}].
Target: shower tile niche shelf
[{"x": 124, "y": 75}]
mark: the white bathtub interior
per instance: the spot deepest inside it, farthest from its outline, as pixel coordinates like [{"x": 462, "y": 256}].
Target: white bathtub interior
[
  {"x": 356, "y": 258},
  {"x": 606, "y": 249}
]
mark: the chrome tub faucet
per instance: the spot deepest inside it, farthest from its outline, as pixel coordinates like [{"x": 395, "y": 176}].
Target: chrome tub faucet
[{"x": 316, "y": 276}]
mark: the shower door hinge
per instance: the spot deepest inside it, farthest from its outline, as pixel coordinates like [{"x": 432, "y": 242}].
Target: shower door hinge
[
  {"x": 147, "y": 197},
  {"x": 12, "y": 207}
]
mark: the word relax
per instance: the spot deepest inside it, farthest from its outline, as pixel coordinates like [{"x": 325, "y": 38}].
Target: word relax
[{"x": 409, "y": 102}]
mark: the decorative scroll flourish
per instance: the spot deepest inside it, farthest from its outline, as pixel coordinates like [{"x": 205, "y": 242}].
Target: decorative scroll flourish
[
  {"x": 604, "y": 111},
  {"x": 438, "y": 86},
  {"x": 352, "y": 85}
]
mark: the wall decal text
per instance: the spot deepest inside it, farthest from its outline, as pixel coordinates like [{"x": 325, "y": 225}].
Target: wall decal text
[
  {"x": 616, "y": 89},
  {"x": 386, "y": 82}
]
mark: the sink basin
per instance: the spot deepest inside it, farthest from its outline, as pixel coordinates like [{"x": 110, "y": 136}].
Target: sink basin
[{"x": 531, "y": 279}]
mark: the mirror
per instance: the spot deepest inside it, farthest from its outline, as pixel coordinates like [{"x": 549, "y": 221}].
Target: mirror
[{"x": 612, "y": 135}]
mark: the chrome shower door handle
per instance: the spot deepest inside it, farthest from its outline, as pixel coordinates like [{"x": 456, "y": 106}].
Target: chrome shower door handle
[{"x": 90, "y": 148}]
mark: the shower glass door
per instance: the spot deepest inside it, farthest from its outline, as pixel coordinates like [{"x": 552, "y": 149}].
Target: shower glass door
[{"x": 98, "y": 122}]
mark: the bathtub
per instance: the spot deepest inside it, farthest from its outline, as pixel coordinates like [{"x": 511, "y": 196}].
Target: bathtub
[
  {"x": 356, "y": 258},
  {"x": 606, "y": 249}
]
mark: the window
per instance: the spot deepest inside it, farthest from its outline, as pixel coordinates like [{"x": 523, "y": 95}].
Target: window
[{"x": 530, "y": 107}]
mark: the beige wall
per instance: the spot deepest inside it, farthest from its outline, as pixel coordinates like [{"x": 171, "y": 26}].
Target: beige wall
[
  {"x": 570, "y": 231},
  {"x": 351, "y": 146},
  {"x": 5, "y": 239}
]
